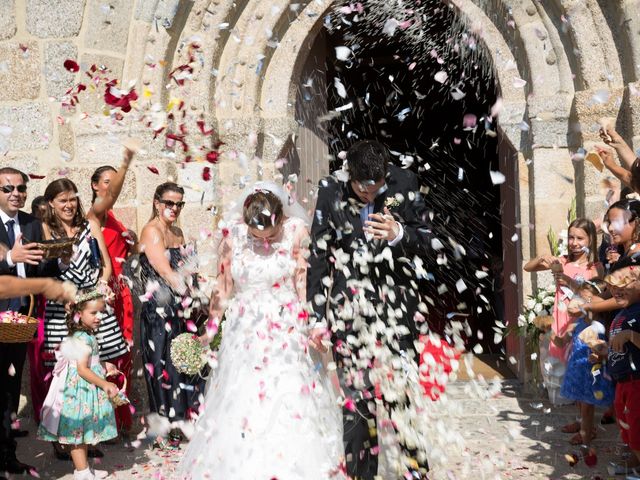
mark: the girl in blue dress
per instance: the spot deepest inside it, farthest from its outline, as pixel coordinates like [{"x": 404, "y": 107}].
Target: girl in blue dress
[
  {"x": 587, "y": 381},
  {"x": 77, "y": 411}
]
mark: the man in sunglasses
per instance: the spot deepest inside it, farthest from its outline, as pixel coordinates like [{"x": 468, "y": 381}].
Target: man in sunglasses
[{"x": 21, "y": 260}]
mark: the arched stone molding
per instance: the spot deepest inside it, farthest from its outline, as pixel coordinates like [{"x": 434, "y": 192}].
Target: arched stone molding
[{"x": 593, "y": 44}]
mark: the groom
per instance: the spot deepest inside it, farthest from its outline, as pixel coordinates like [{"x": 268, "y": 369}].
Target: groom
[{"x": 368, "y": 230}]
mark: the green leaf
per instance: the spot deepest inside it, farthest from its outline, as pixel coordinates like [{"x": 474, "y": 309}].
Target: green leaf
[{"x": 552, "y": 238}]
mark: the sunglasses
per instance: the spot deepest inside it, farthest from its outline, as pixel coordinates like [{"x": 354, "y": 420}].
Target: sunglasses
[
  {"x": 10, "y": 188},
  {"x": 171, "y": 204}
]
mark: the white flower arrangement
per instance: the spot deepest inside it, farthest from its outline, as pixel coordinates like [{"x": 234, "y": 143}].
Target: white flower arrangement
[{"x": 539, "y": 304}]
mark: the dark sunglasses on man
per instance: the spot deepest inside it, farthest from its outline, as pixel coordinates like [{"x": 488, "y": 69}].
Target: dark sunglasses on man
[
  {"x": 171, "y": 204},
  {"x": 10, "y": 188}
]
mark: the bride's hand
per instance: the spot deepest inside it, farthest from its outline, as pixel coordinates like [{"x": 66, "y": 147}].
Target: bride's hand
[
  {"x": 204, "y": 340},
  {"x": 316, "y": 336}
]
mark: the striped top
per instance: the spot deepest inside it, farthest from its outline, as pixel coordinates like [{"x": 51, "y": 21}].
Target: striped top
[{"x": 84, "y": 275}]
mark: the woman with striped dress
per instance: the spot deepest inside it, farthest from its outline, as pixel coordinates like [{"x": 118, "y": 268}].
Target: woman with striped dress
[{"x": 88, "y": 267}]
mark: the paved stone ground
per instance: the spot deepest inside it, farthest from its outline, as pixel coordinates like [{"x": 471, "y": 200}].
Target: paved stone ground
[{"x": 509, "y": 436}]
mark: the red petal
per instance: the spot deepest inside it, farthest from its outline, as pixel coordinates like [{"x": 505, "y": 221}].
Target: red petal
[
  {"x": 203, "y": 128},
  {"x": 71, "y": 65},
  {"x": 153, "y": 169},
  {"x": 206, "y": 174},
  {"x": 212, "y": 157},
  {"x": 81, "y": 87},
  {"x": 34, "y": 176}
]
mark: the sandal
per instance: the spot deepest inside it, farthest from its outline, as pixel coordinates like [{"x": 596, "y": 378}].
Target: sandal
[
  {"x": 578, "y": 440},
  {"x": 573, "y": 427}
]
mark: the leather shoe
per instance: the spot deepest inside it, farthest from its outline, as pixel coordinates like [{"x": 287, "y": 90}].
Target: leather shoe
[{"x": 16, "y": 466}]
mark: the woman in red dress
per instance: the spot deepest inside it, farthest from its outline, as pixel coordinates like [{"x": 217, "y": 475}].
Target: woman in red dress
[{"x": 106, "y": 184}]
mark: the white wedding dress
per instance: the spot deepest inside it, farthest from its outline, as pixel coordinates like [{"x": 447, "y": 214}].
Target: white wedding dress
[{"x": 270, "y": 410}]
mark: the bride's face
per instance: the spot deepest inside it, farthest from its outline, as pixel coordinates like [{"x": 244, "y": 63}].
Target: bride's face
[{"x": 268, "y": 234}]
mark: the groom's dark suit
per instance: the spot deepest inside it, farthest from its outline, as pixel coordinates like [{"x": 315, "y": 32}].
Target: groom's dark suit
[{"x": 389, "y": 287}]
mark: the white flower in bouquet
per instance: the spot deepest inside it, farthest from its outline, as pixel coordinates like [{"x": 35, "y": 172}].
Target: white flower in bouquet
[
  {"x": 522, "y": 321},
  {"x": 551, "y": 289},
  {"x": 537, "y": 308},
  {"x": 531, "y": 316},
  {"x": 530, "y": 304},
  {"x": 548, "y": 301}
]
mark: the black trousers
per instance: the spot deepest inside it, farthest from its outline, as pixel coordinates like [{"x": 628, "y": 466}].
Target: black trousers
[
  {"x": 12, "y": 357},
  {"x": 361, "y": 439}
]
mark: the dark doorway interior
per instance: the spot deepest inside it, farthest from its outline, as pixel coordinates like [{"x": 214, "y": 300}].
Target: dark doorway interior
[{"x": 445, "y": 128}]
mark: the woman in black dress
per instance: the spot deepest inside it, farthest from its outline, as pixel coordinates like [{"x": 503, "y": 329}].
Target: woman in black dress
[{"x": 167, "y": 280}]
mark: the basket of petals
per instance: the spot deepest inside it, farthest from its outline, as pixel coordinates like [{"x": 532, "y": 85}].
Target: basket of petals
[{"x": 18, "y": 328}]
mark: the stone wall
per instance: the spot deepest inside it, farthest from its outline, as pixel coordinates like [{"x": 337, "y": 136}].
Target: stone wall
[{"x": 136, "y": 41}]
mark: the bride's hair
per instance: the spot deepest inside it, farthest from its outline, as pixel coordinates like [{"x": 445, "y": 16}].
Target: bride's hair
[{"x": 262, "y": 209}]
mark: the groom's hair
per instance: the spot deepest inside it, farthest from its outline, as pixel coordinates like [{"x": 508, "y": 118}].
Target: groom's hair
[
  {"x": 262, "y": 209},
  {"x": 367, "y": 160}
]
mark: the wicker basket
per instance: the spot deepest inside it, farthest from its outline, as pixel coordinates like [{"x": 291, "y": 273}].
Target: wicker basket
[
  {"x": 20, "y": 332},
  {"x": 121, "y": 398}
]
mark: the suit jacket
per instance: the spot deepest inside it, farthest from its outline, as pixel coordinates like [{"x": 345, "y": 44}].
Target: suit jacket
[
  {"x": 31, "y": 229},
  {"x": 385, "y": 276}
]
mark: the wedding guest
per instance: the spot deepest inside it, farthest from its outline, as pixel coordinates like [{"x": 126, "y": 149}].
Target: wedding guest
[
  {"x": 163, "y": 254},
  {"x": 39, "y": 207},
  {"x": 623, "y": 358},
  {"x": 77, "y": 411},
  {"x": 569, "y": 270},
  {"x": 106, "y": 184},
  {"x": 586, "y": 382},
  {"x": 21, "y": 260},
  {"x": 628, "y": 172},
  {"x": 48, "y": 287},
  {"x": 90, "y": 267}
]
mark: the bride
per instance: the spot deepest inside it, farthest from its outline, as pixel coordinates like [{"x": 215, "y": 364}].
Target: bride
[{"x": 270, "y": 410}]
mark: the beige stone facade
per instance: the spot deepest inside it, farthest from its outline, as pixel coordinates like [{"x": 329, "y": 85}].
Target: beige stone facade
[{"x": 580, "y": 60}]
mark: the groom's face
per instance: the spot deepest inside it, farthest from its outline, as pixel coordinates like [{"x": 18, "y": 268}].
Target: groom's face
[{"x": 367, "y": 190}]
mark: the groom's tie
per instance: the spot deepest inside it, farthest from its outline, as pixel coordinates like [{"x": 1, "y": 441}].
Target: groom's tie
[
  {"x": 14, "y": 303},
  {"x": 364, "y": 214}
]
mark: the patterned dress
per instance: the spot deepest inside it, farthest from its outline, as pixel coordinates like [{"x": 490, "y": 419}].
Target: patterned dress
[
  {"x": 171, "y": 394},
  {"x": 584, "y": 381},
  {"x": 84, "y": 274},
  {"x": 84, "y": 414}
]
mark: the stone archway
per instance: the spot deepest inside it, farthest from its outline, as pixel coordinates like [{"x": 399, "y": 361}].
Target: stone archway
[{"x": 299, "y": 73}]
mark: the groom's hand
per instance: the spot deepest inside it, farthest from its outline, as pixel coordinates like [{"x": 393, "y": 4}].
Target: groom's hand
[
  {"x": 382, "y": 226},
  {"x": 316, "y": 337}
]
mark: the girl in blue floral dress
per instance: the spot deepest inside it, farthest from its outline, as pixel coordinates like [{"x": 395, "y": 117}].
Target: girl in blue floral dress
[
  {"x": 587, "y": 381},
  {"x": 77, "y": 411}
]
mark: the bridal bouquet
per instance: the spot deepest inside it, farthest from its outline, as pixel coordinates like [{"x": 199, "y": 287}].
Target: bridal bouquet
[{"x": 188, "y": 354}]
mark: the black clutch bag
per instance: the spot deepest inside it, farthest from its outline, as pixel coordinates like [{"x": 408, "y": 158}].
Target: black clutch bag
[{"x": 95, "y": 259}]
